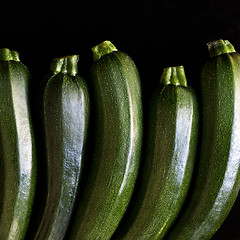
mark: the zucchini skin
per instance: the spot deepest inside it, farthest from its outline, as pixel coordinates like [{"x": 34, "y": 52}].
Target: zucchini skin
[
  {"x": 117, "y": 150},
  {"x": 218, "y": 175},
  {"x": 168, "y": 164},
  {"x": 18, "y": 157},
  {"x": 66, "y": 109}
]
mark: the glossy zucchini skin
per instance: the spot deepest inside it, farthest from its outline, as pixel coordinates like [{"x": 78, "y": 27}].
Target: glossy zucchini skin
[
  {"x": 117, "y": 150},
  {"x": 218, "y": 176},
  {"x": 167, "y": 167},
  {"x": 17, "y": 147},
  {"x": 66, "y": 109}
]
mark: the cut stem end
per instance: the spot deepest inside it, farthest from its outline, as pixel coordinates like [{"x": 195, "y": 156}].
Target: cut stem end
[
  {"x": 102, "y": 49},
  {"x": 174, "y": 76},
  {"x": 8, "y": 55},
  {"x": 219, "y": 47},
  {"x": 66, "y": 65}
]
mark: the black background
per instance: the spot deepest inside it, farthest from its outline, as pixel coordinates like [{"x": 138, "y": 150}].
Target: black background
[{"x": 155, "y": 34}]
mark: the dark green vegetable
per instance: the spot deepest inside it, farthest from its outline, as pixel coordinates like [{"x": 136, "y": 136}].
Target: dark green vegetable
[
  {"x": 66, "y": 116},
  {"x": 17, "y": 154},
  {"x": 218, "y": 176},
  {"x": 117, "y": 98},
  {"x": 169, "y": 159}
]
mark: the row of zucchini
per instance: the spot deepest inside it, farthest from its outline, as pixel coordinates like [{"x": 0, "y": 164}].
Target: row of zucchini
[{"x": 138, "y": 186}]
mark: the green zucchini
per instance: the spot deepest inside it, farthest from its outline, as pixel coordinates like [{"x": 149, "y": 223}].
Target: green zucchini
[
  {"x": 169, "y": 159},
  {"x": 17, "y": 147},
  {"x": 116, "y": 153},
  {"x": 217, "y": 179},
  {"x": 66, "y": 116}
]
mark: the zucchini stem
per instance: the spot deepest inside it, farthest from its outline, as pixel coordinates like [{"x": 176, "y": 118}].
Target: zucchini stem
[
  {"x": 219, "y": 47},
  {"x": 66, "y": 65},
  {"x": 102, "y": 49},
  {"x": 8, "y": 55},
  {"x": 174, "y": 76}
]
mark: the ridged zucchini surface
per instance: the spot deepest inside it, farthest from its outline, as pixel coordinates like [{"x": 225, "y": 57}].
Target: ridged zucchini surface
[
  {"x": 65, "y": 118},
  {"x": 117, "y": 150},
  {"x": 167, "y": 167},
  {"x": 17, "y": 148},
  {"x": 218, "y": 176}
]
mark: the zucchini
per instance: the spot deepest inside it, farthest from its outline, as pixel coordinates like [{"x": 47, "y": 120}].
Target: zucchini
[
  {"x": 116, "y": 152},
  {"x": 66, "y": 116},
  {"x": 217, "y": 179},
  {"x": 169, "y": 159},
  {"x": 17, "y": 154}
]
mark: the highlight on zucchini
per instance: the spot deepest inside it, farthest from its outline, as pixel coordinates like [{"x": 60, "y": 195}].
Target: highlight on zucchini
[
  {"x": 218, "y": 176},
  {"x": 167, "y": 166},
  {"x": 116, "y": 153},
  {"x": 17, "y": 144}
]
